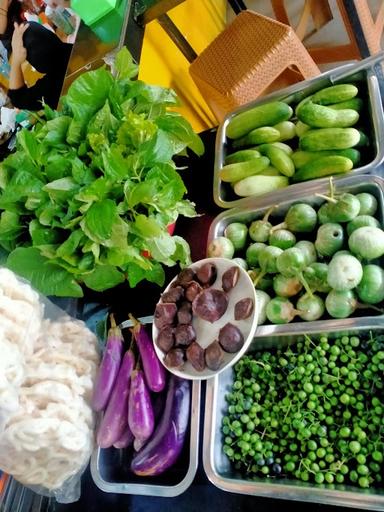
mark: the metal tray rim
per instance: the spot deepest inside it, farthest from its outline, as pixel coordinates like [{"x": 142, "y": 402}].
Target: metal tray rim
[
  {"x": 159, "y": 490},
  {"x": 321, "y": 495},
  {"x": 377, "y": 120},
  {"x": 315, "y": 186}
]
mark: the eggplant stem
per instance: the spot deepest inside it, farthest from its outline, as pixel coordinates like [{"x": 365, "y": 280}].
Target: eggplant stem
[
  {"x": 136, "y": 324},
  {"x": 268, "y": 212},
  {"x": 327, "y": 198},
  {"x": 282, "y": 225},
  {"x": 369, "y": 306},
  {"x": 112, "y": 320},
  {"x": 260, "y": 276},
  {"x": 305, "y": 284},
  {"x": 331, "y": 187}
]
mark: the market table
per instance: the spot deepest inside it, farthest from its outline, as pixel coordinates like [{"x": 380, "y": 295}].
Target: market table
[{"x": 202, "y": 495}]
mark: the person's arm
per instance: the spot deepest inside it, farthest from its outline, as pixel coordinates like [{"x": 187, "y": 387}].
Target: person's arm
[
  {"x": 19, "y": 55},
  {"x": 3, "y": 16}
]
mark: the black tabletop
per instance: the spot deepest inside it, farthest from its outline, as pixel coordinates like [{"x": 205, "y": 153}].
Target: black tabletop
[{"x": 201, "y": 495}]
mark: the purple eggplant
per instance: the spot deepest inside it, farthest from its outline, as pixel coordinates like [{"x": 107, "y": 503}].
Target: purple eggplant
[
  {"x": 153, "y": 369},
  {"x": 165, "y": 446},
  {"x": 125, "y": 440},
  {"x": 109, "y": 368},
  {"x": 141, "y": 419},
  {"x": 115, "y": 419}
]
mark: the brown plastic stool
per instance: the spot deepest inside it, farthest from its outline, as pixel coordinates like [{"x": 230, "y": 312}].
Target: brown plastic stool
[{"x": 246, "y": 58}]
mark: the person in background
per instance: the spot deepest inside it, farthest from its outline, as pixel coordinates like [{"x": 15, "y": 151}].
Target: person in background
[
  {"x": 47, "y": 54},
  {"x": 10, "y": 13}
]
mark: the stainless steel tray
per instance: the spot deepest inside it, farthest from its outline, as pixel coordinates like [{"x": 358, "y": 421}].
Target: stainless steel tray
[
  {"x": 252, "y": 209},
  {"x": 109, "y": 468},
  {"x": 367, "y": 82},
  {"x": 223, "y": 475}
]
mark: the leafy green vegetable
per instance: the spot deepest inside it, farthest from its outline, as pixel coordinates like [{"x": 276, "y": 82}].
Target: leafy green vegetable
[{"x": 88, "y": 194}]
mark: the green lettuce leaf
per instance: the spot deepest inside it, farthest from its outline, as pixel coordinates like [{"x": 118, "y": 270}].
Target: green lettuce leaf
[
  {"x": 43, "y": 275},
  {"x": 103, "y": 278}
]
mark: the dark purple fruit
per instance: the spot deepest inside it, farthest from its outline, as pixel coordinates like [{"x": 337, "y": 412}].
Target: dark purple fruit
[
  {"x": 207, "y": 273},
  {"x": 192, "y": 290},
  {"x": 166, "y": 338},
  {"x": 185, "y": 276},
  {"x": 165, "y": 314},
  {"x": 210, "y": 304},
  {"x": 184, "y": 314},
  {"x": 214, "y": 356},
  {"x": 174, "y": 358},
  {"x": 173, "y": 294},
  {"x": 230, "y": 278},
  {"x": 184, "y": 335},
  {"x": 195, "y": 355},
  {"x": 243, "y": 308},
  {"x": 231, "y": 338}
]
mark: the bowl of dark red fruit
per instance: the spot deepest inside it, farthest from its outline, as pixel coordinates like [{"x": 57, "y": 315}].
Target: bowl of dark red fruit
[{"x": 205, "y": 319}]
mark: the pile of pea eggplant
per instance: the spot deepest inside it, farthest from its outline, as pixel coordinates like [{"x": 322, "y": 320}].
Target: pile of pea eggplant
[
  {"x": 314, "y": 262},
  {"x": 311, "y": 411},
  {"x": 144, "y": 408},
  {"x": 274, "y": 144}
]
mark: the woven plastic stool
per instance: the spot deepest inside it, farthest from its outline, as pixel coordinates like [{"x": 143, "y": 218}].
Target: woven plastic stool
[{"x": 245, "y": 59}]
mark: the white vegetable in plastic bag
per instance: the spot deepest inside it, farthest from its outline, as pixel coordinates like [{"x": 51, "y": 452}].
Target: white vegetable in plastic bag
[{"x": 47, "y": 371}]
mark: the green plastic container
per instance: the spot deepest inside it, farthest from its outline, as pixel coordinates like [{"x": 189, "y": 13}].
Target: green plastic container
[{"x": 104, "y": 17}]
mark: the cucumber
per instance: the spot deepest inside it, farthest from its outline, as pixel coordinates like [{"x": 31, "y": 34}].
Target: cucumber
[
  {"x": 335, "y": 94},
  {"x": 301, "y": 128},
  {"x": 354, "y": 103},
  {"x": 279, "y": 159},
  {"x": 318, "y": 116},
  {"x": 325, "y": 166},
  {"x": 259, "y": 185},
  {"x": 280, "y": 145},
  {"x": 364, "y": 141},
  {"x": 329, "y": 138},
  {"x": 301, "y": 158},
  {"x": 262, "y": 115},
  {"x": 235, "y": 172},
  {"x": 258, "y": 136},
  {"x": 301, "y": 103},
  {"x": 287, "y": 130},
  {"x": 270, "y": 171},
  {"x": 242, "y": 156}
]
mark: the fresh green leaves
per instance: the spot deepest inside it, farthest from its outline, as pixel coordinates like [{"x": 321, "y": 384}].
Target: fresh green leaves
[
  {"x": 88, "y": 195},
  {"x": 46, "y": 277}
]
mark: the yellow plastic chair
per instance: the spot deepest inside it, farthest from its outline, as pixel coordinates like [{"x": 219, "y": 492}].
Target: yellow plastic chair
[{"x": 245, "y": 60}]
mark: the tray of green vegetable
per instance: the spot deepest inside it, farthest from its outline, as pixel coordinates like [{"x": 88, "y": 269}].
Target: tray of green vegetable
[
  {"x": 328, "y": 125},
  {"x": 300, "y": 417},
  {"x": 313, "y": 257}
]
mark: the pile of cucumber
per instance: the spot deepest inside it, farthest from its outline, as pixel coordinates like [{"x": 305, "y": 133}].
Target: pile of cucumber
[
  {"x": 316, "y": 261},
  {"x": 321, "y": 136}
]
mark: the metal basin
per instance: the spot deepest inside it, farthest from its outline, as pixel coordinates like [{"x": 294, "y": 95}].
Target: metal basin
[
  {"x": 372, "y": 118},
  {"x": 219, "y": 469}
]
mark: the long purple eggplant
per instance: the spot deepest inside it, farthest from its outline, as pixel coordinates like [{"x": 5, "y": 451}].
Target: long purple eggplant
[
  {"x": 109, "y": 368},
  {"x": 115, "y": 419},
  {"x": 141, "y": 419},
  {"x": 153, "y": 369},
  {"x": 125, "y": 440},
  {"x": 165, "y": 446}
]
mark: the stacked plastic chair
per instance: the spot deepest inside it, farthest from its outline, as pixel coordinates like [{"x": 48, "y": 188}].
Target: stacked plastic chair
[{"x": 246, "y": 58}]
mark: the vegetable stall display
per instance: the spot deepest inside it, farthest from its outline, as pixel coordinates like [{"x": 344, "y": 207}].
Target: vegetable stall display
[
  {"x": 145, "y": 409},
  {"x": 272, "y": 145},
  {"x": 90, "y": 195},
  {"x": 311, "y": 411},
  {"x": 318, "y": 260}
]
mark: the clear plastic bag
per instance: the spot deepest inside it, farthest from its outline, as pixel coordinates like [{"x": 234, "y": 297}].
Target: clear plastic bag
[{"x": 48, "y": 365}]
